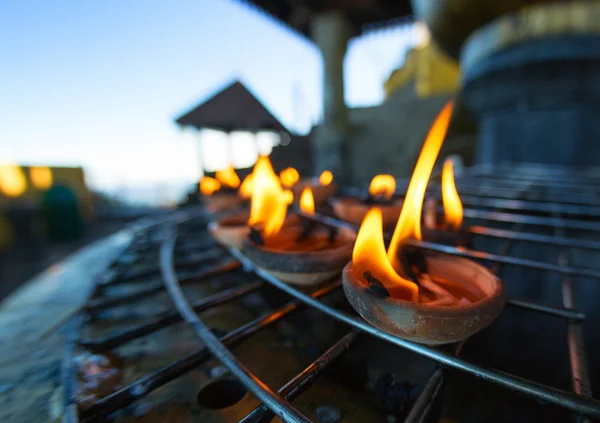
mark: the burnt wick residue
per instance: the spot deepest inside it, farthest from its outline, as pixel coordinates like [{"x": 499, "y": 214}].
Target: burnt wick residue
[
  {"x": 255, "y": 237},
  {"x": 413, "y": 263},
  {"x": 376, "y": 286}
]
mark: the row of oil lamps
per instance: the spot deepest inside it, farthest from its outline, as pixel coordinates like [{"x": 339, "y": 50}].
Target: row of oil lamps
[{"x": 424, "y": 297}]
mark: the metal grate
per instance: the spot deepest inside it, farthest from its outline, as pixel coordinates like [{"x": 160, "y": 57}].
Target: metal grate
[{"x": 543, "y": 206}]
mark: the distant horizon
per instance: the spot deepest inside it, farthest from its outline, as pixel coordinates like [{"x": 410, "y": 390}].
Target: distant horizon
[{"x": 98, "y": 84}]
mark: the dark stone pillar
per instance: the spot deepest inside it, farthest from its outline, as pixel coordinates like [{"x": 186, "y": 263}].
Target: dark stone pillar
[{"x": 331, "y": 32}]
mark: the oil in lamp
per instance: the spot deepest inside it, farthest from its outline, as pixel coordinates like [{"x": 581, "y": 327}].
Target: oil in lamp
[
  {"x": 381, "y": 195},
  {"x": 295, "y": 250},
  {"x": 322, "y": 187},
  {"x": 426, "y": 298}
]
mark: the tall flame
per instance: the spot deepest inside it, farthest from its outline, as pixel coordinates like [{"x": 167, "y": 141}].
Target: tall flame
[
  {"x": 228, "y": 178},
  {"x": 369, "y": 256},
  {"x": 453, "y": 209},
  {"x": 269, "y": 203},
  {"x": 307, "y": 201},
  {"x": 326, "y": 178},
  {"x": 41, "y": 177},
  {"x": 12, "y": 180},
  {"x": 409, "y": 225},
  {"x": 369, "y": 250},
  {"x": 383, "y": 186},
  {"x": 208, "y": 185},
  {"x": 289, "y": 177},
  {"x": 247, "y": 187}
]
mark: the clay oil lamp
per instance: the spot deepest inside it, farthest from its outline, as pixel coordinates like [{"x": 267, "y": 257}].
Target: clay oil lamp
[
  {"x": 448, "y": 229},
  {"x": 323, "y": 187},
  {"x": 422, "y": 297},
  {"x": 295, "y": 250},
  {"x": 231, "y": 230},
  {"x": 223, "y": 195},
  {"x": 381, "y": 195}
]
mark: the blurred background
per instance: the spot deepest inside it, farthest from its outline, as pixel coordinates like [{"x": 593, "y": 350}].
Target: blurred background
[{"x": 112, "y": 110}]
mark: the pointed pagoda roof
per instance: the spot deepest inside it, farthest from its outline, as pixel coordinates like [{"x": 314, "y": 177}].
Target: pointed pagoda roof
[{"x": 232, "y": 108}]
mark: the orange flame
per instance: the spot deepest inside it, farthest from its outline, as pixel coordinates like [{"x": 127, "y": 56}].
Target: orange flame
[
  {"x": 228, "y": 178},
  {"x": 41, "y": 177},
  {"x": 307, "y": 201},
  {"x": 369, "y": 256},
  {"x": 289, "y": 177},
  {"x": 12, "y": 180},
  {"x": 409, "y": 222},
  {"x": 383, "y": 186},
  {"x": 326, "y": 178},
  {"x": 369, "y": 250},
  {"x": 269, "y": 203},
  {"x": 453, "y": 210},
  {"x": 247, "y": 187},
  {"x": 208, "y": 185}
]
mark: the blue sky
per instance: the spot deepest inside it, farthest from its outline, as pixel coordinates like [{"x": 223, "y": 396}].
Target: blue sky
[{"x": 98, "y": 83}]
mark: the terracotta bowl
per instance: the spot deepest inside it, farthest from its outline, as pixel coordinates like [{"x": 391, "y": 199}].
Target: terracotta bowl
[
  {"x": 302, "y": 267},
  {"x": 431, "y": 324},
  {"x": 230, "y": 231},
  {"x": 321, "y": 193},
  {"x": 222, "y": 201},
  {"x": 353, "y": 210}
]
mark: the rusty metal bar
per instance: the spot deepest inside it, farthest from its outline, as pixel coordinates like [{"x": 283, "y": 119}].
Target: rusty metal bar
[
  {"x": 534, "y": 238},
  {"x": 102, "y": 303},
  {"x": 303, "y": 380},
  {"x": 114, "y": 340}
]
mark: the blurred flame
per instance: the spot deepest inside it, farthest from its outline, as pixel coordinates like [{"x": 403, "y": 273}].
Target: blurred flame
[
  {"x": 369, "y": 256},
  {"x": 247, "y": 187},
  {"x": 409, "y": 222},
  {"x": 208, "y": 185},
  {"x": 228, "y": 178},
  {"x": 289, "y": 177},
  {"x": 325, "y": 178},
  {"x": 269, "y": 203},
  {"x": 383, "y": 186},
  {"x": 41, "y": 177},
  {"x": 307, "y": 201},
  {"x": 453, "y": 210},
  {"x": 12, "y": 180}
]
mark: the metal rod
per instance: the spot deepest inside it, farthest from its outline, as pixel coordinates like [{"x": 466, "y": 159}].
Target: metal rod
[
  {"x": 566, "y": 313},
  {"x": 525, "y": 205},
  {"x": 116, "y": 339},
  {"x": 535, "y": 238},
  {"x": 108, "y": 302},
  {"x": 579, "y": 369},
  {"x": 577, "y": 357},
  {"x": 189, "y": 262},
  {"x": 142, "y": 387},
  {"x": 512, "y": 194},
  {"x": 427, "y": 398},
  {"x": 514, "y": 261},
  {"x": 531, "y": 220},
  {"x": 280, "y": 407},
  {"x": 303, "y": 380},
  {"x": 542, "y": 392}
]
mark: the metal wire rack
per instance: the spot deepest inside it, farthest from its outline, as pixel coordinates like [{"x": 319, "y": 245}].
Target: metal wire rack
[{"x": 561, "y": 200}]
